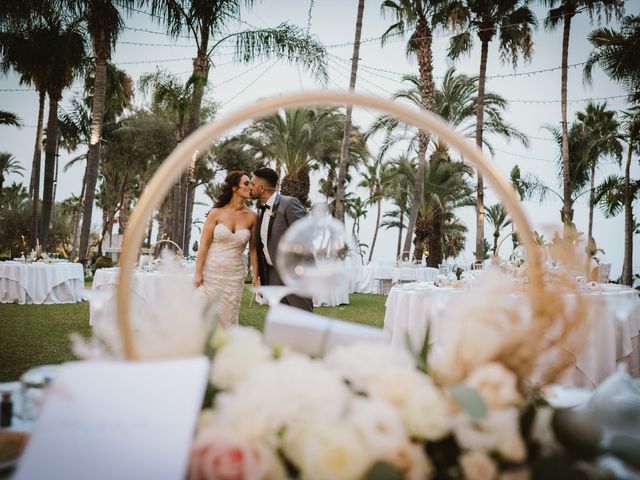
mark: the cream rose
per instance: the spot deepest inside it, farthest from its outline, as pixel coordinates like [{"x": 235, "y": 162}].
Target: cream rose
[
  {"x": 426, "y": 413},
  {"x": 496, "y": 385},
  {"x": 396, "y": 384},
  {"x": 379, "y": 424},
  {"x": 328, "y": 451},
  {"x": 236, "y": 357},
  {"x": 477, "y": 465},
  {"x": 222, "y": 455}
]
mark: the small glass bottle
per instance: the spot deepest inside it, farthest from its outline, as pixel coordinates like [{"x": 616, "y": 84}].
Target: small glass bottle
[{"x": 6, "y": 410}]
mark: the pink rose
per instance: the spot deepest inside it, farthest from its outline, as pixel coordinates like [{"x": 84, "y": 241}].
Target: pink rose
[{"x": 219, "y": 454}]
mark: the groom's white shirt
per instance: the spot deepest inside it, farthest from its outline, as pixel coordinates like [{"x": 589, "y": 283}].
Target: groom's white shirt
[{"x": 264, "y": 228}]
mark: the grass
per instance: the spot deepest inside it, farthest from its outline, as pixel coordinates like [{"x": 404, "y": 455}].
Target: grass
[{"x": 32, "y": 335}]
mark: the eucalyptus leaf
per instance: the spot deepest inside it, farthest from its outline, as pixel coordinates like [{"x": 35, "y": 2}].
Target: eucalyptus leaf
[
  {"x": 383, "y": 471},
  {"x": 470, "y": 400}
]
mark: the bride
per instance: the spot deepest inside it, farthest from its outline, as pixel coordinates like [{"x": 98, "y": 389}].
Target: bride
[{"x": 229, "y": 226}]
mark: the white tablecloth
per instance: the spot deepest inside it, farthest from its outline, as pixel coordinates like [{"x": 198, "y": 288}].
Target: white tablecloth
[
  {"x": 41, "y": 283},
  {"x": 146, "y": 290},
  {"x": 616, "y": 325},
  {"x": 376, "y": 278}
]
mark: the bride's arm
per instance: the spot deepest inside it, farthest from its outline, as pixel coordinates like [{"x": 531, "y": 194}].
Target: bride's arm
[
  {"x": 205, "y": 242},
  {"x": 253, "y": 254}
]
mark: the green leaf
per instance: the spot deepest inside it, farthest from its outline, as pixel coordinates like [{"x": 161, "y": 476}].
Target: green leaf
[
  {"x": 383, "y": 471},
  {"x": 423, "y": 361},
  {"x": 470, "y": 400}
]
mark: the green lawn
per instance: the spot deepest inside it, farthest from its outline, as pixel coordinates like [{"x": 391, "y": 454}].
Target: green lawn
[{"x": 32, "y": 335}]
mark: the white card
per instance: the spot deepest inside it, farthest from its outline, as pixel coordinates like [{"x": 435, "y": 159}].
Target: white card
[
  {"x": 124, "y": 420},
  {"x": 313, "y": 334}
]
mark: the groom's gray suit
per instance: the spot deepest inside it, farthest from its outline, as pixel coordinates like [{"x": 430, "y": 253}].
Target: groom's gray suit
[{"x": 285, "y": 211}]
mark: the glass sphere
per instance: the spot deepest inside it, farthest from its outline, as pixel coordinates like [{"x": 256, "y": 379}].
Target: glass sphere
[{"x": 315, "y": 255}]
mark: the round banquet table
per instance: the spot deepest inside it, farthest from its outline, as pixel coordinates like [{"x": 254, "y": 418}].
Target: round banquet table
[
  {"x": 378, "y": 278},
  {"x": 41, "y": 283},
  {"x": 613, "y": 337},
  {"x": 146, "y": 289}
]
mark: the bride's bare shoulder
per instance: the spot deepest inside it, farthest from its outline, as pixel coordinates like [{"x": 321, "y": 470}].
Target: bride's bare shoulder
[
  {"x": 212, "y": 215},
  {"x": 251, "y": 212}
]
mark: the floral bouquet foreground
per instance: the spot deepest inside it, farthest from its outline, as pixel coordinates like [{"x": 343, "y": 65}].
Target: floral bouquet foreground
[
  {"x": 366, "y": 411},
  {"x": 470, "y": 407}
]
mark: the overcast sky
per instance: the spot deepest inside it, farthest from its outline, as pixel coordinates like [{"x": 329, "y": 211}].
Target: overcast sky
[{"x": 143, "y": 46}]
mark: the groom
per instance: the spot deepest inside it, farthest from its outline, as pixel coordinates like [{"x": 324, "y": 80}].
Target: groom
[{"x": 276, "y": 213}]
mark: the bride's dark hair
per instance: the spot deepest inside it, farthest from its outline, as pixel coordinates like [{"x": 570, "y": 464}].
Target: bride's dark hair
[{"x": 226, "y": 190}]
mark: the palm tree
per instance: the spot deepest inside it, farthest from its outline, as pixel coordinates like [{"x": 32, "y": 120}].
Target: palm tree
[
  {"x": 419, "y": 18},
  {"x": 11, "y": 119},
  {"x": 375, "y": 179},
  {"x": 104, "y": 23},
  {"x": 616, "y": 53},
  {"x": 8, "y": 166},
  {"x": 616, "y": 193},
  {"x": 296, "y": 139},
  {"x": 445, "y": 189},
  {"x": 173, "y": 97},
  {"x": 399, "y": 189},
  {"x": 66, "y": 65},
  {"x": 601, "y": 127},
  {"x": 513, "y": 21},
  {"x": 499, "y": 218},
  {"x": 207, "y": 22},
  {"x": 562, "y": 12},
  {"x": 580, "y": 159},
  {"x": 346, "y": 135},
  {"x": 25, "y": 47}
]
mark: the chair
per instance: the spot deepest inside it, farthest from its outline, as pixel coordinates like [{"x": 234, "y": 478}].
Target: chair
[{"x": 604, "y": 270}]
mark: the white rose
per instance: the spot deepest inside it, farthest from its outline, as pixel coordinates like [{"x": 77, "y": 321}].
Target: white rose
[
  {"x": 426, "y": 413},
  {"x": 396, "y": 384},
  {"x": 513, "y": 448},
  {"x": 328, "y": 450},
  {"x": 277, "y": 394},
  {"x": 360, "y": 363},
  {"x": 233, "y": 361},
  {"x": 379, "y": 424},
  {"x": 496, "y": 385},
  {"x": 477, "y": 465}
]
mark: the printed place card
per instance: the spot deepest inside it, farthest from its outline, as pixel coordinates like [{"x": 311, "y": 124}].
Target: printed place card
[{"x": 124, "y": 420}]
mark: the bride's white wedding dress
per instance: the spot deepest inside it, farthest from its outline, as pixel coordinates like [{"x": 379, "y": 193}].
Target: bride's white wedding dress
[{"x": 224, "y": 271}]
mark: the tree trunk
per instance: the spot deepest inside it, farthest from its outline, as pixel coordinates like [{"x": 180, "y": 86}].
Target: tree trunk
[
  {"x": 591, "y": 245},
  {"x": 567, "y": 213},
  {"x": 375, "y": 231},
  {"x": 344, "y": 149},
  {"x": 201, "y": 65},
  {"x": 479, "y": 130},
  {"x": 296, "y": 185},
  {"x": 49, "y": 170},
  {"x": 425, "y": 66},
  {"x": 627, "y": 264},
  {"x": 399, "y": 246},
  {"x": 191, "y": 197},
  {"x": 34, "y": 184},
  {"x": 175, "y": 213},
  {"x": 93, "y": 157},
  {"x": 77, "y": 217},
  {"x": 496, "y": 237},
  {"x": 435, "y": 241}
]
